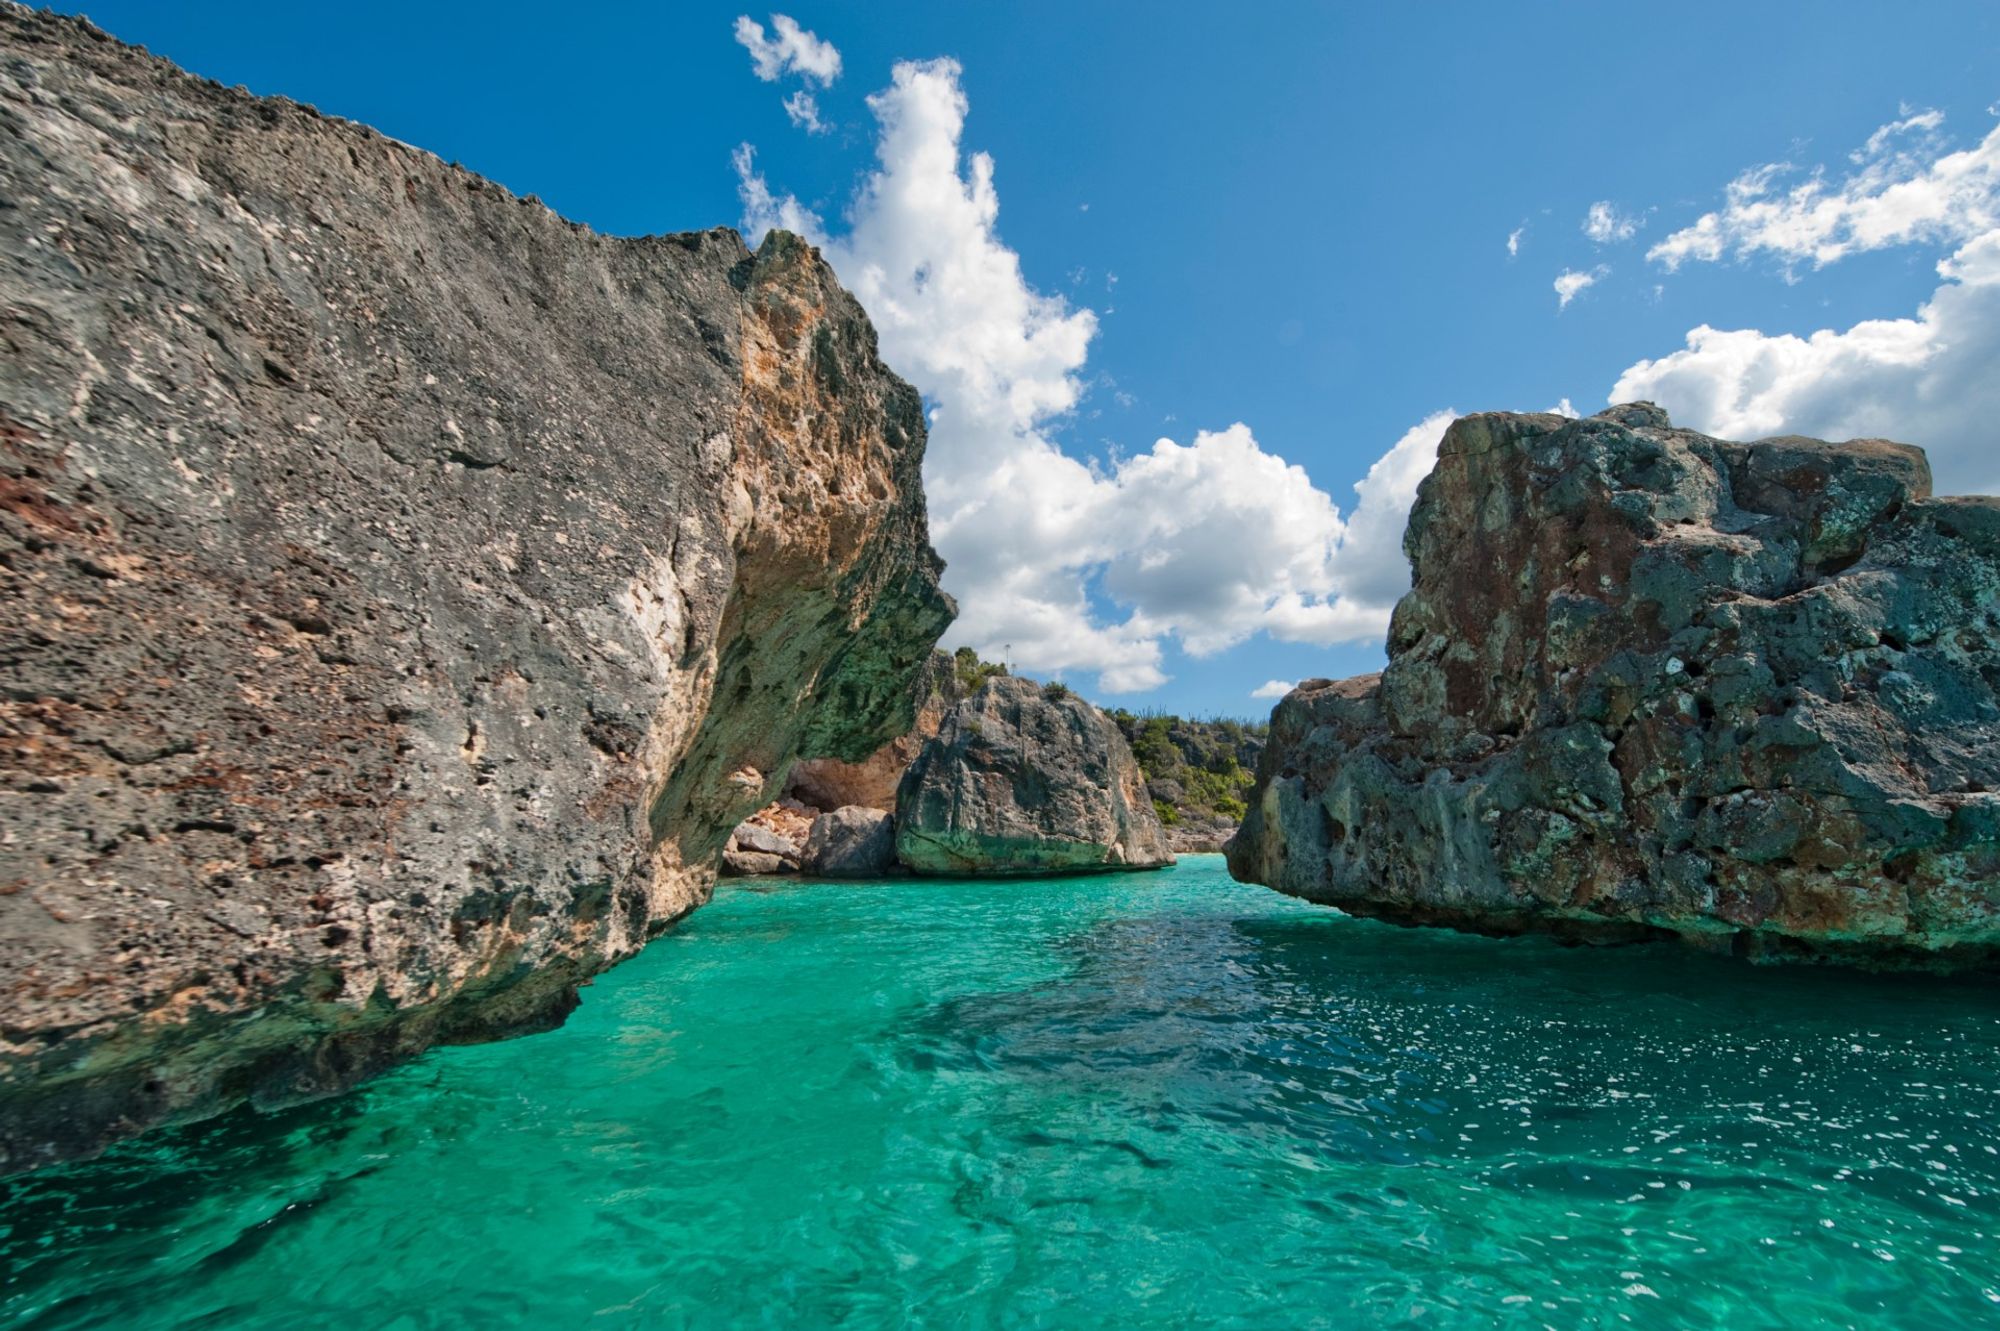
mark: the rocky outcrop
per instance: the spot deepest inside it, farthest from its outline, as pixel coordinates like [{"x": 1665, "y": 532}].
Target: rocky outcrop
[
  {"x": 1207, "y": 835},
  {"x": 853, "y": 842},
  {"x": 1651, "y": 683},
  {"x": 406, "y": 590},
  {"x": 1023, "y": 779}
]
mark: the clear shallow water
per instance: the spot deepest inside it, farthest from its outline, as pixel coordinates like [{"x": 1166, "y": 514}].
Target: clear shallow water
[{"x": 1156, "y": 1100}]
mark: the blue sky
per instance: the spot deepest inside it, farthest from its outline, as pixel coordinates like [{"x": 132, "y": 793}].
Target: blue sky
[{"x": 1293, "y": 217}]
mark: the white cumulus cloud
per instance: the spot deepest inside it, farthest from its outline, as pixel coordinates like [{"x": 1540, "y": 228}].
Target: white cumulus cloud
[
  {"x": 1928, "y": 380},
  {"x": 1065, "y": 565},
  {"x": 1606, "y": 225},
  {"x": 1274, "y": 688},
  {"x": 1570, "y": 283},
  {"x": 792, "y": 51},
  {"x": 1514, "y": 241},
  {"x": 1902, "y": 189},
  {"x": 1370, "y": 564}
]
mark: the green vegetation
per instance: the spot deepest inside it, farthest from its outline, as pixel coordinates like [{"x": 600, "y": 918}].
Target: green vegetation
[
  {"x": 1198, "y": 773},
  {"x": 1197, "y": 770},
  {"x": 969, "y": 672}
]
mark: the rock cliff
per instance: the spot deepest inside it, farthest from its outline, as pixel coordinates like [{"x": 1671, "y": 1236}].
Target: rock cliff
[
  {"x": 827, "y": 784},
  {"x": 406, "y": 590},
  {"x": 1023, "y": 778},
  {"x": 1651, "y": 683}
]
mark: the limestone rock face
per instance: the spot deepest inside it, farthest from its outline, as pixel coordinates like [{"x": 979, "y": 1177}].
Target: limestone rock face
[
  {"x": 1649, "y": 682},
  {"x": 406, "y": 590},
  {"x": 1023, "y": 781},
  {"x": 853, "y": 842},
  {"x": 829, "y": 783}
]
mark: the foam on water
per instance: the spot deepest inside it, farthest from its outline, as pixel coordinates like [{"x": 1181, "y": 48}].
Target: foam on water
[{"x": 1150, "y": 1100}]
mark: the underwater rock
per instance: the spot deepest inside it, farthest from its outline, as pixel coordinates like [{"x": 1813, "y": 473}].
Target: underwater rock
[{"x": 1651, "y": 683}]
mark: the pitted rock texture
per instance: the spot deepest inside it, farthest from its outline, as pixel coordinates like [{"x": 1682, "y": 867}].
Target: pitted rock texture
[
  {"x": 1026, "y": 780},
  {"x": 406, "y": 590},
  {"x": 1649, "y": 682}
]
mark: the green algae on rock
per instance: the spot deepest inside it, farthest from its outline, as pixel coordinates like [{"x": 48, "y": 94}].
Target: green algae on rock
[
  {"x": 408, "y": 589},
  {"x": 1651, "y": 683},
  {"x": 1023, "y": 778}
]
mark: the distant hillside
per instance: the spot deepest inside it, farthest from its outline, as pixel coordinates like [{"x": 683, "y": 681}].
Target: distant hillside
[{"x": 1199, "y": 773}]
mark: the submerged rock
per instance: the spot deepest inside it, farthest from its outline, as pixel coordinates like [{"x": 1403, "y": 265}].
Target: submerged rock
[
  {"x": 853, "y": 842},
  {"x": 1648, "y": 682},
  {"x": 407, "y": 590},
  {"x": 1022, "y": 779}
]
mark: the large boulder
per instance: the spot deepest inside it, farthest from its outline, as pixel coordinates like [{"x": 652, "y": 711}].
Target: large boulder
[
  {"x": 1026, "y": 780},
  {"x": 406, "y": 590},
  {"x": 1651, "y": 683},
  {"x": 768, "y": 841},
  {"x": 757, "y": 837},
  {"x": 854, "y": 842},
  {"x": 740, "y": 863}
]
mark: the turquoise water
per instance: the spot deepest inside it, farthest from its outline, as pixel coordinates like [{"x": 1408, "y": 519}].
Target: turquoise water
[{"x": 1156, "y": 1100}]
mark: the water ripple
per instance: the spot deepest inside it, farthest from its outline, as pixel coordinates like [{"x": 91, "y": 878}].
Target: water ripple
[{"x": 1153, "y": 1100}]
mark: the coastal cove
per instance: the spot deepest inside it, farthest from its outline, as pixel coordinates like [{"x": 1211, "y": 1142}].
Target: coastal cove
[
  {"x": 769, "y": 759},
  {"x": 1089, "y": 1101}
]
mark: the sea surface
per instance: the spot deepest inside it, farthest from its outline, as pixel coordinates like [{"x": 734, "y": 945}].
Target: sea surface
[{"x": 1161, "y": 1100}]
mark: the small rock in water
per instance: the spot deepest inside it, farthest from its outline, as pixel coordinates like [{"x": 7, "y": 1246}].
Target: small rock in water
[{"x": 852, "y": 842}]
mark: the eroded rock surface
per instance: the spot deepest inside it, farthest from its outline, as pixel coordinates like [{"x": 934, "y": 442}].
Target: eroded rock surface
[
  {"x": 406, "y": 590},
  {"x": 1026, "y": 780},
  {"x": 1649, "y": 682}
]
